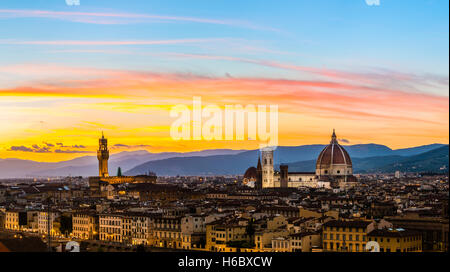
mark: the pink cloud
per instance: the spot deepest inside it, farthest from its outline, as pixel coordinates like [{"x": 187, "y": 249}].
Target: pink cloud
[
  {"x": 321, "y": 98},
  {"x": 136, "y": 42}
]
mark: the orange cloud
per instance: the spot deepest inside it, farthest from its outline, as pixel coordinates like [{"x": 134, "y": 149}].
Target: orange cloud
[{"x": 133, "y": 108}]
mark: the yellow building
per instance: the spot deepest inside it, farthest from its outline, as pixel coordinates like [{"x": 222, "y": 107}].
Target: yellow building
[
  {"x": 165, "y": 231},
  {"x": 298, "y": 242},
  {"x": 43, "y": 223},
  {"x": 347, "y": 236},
  {"x": 140, "y": 229},
  {"x": 20, "y": 220},
  {"x": 305, "y": 241},
  {"x": 12, "y": 220},
  {"x": 263, "y": 239},
  {"x": 85, "y": 225},
  {"x": 397, "y": 240},
  {"x": 110, "y": 227},
  {"x": 221, "y": 234}
]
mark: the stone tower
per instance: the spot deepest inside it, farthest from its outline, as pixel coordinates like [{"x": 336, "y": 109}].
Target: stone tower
[
  {"x": 103, "y": 156},
  {"x": 284, "y": 176},
  {"x": 267, "y": 168}
]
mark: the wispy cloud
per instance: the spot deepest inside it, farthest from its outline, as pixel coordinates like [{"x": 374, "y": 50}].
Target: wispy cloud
[
  {"x": 124, "y": 18},
  {"x": 94, "y": 43},
  {"x": 313, "y": 97},
  {"x": 374, "y": 77}
]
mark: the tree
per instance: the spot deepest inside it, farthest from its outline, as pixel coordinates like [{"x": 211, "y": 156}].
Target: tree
[{"x": 119, "y": 172}]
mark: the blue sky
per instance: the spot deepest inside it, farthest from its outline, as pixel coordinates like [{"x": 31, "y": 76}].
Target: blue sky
[{"x": 401, "y": 35}]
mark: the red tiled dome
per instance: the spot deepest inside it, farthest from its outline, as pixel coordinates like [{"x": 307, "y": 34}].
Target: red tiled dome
[
  {"x": 250, "y": 173},
  {"x": 333, "y": 153}
]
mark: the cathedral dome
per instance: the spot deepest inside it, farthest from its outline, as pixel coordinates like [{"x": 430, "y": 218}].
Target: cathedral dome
[
  {"x": 250, "y": 173},
  {"x": 334, "y": 160}
]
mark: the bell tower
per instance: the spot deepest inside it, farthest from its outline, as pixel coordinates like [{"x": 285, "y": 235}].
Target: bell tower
[
  {"x": 267, "y": 167},
  {"x": 103, "y": 156}
]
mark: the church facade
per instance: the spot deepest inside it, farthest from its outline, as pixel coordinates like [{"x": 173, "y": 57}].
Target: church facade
[{"x": 333, "y": 170}]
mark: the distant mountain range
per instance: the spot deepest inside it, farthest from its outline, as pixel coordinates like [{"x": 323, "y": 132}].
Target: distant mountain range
[
  {"x": 436, "y": 161},
  {"x": 365, "y": 157},
  {"x": 88, "y": 165},
  {"x": 369, "y": 157}
]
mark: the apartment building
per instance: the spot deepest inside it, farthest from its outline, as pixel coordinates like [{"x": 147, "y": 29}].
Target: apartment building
[
  {"x": 111, "y": 227},
  {"x": 166, "y": 231},
  {"x": 347, "y": 236},
  {"x": 46, "y": 219},
  {"x": 85, "y": 225},
  {"x": 397, "y": 240}
]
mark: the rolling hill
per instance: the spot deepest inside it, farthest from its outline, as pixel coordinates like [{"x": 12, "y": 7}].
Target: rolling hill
[{"x": 436, "y": 160}]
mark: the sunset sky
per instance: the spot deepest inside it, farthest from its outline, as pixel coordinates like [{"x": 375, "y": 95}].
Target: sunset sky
[{"x": 377, "y": 74}]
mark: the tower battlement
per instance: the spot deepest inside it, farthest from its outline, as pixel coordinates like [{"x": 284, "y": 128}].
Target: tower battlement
[{"x": 103, "y": 156}]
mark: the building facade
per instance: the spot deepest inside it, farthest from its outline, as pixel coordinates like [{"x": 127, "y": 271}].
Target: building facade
[
  {"x": 396, "y": 240},
  {"x": 345, "y": 236},
  {"x": 111, "y": 227},
  {"x": 85, "y": 225},
  {"x": 48, "y": 220}
]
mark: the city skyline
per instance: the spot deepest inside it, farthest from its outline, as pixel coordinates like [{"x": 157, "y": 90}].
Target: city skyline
[{"x": 69, "y": 72}]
